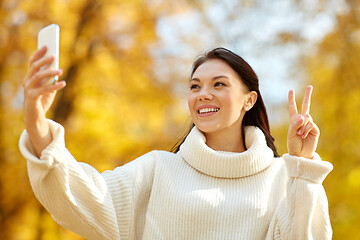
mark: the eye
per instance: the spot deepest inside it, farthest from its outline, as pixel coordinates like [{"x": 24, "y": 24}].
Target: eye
[
  {"x": 194, "y": 86},
  {"x": 219, "y": 84}
]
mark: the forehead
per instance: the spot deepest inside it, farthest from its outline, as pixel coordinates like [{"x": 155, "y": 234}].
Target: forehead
[{"x": 215, "y": 67}]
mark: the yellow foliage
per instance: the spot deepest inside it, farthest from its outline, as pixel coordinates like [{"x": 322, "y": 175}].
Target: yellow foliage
[
  {"x": 111, "y": 108},
  {"x": 335, "y": 75},
  {"x": 354, "y": 178},
  {"x": 114, "y": 110}
]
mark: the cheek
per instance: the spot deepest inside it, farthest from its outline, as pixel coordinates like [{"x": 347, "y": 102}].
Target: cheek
[
  {"x": 233, "y": 104},
  {"x": 191, "y": 102}
]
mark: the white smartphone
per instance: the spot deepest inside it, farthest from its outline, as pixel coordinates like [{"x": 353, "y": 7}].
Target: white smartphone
[{"x": 50, "y": 37}]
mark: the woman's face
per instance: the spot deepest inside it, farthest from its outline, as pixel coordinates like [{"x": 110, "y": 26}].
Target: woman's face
[{"x": 217, "y": 97}]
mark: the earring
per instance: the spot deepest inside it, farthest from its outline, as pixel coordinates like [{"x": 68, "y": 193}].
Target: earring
[{"x": 247, "y": 108}]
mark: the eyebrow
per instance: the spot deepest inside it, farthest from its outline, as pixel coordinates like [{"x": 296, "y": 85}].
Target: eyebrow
[{"x": 213, "y": 79}]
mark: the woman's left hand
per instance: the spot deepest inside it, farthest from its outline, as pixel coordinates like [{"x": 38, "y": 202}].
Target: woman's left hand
[{"x": 303, "y": 133}]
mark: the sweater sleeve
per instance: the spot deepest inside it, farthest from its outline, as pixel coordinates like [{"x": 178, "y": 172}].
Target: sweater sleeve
[
  {"x": 303, "y": 212},
  {"x": 79, "y": 198}
]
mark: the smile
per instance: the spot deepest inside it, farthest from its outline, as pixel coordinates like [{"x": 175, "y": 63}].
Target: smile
[{"x": 208, "y": 110}]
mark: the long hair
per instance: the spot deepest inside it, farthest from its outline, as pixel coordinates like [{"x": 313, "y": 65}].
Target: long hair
[{"x": 257, "y": 115}]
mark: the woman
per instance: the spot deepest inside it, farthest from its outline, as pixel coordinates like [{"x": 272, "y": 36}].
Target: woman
[{"x": 225, "y": 180}]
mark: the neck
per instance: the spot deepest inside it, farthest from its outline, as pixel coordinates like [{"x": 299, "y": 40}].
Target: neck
[{"x": 225, "y": 140}]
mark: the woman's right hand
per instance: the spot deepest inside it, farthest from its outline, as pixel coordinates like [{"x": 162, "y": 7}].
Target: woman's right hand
[{"x": 38, "y": 97}]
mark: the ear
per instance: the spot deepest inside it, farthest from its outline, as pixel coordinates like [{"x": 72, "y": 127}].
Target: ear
[{"x": 250, "y": 100}]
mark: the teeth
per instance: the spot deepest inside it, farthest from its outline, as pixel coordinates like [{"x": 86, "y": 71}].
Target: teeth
[{"x": 207, "y": 110}]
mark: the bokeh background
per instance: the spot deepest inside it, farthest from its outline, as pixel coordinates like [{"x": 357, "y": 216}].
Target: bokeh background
[{"x": 127, "y": 64}]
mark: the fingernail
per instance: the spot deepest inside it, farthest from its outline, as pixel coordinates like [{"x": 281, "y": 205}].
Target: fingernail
[
  {"x": 299, "y": 132},
  {"x": 61, "y": 83}
]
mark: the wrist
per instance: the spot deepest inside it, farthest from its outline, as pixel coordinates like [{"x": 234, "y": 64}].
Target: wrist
[
  {"x": 307, "y": 156},
  {"x": 39, "y": 134},
  {"x": 34, "y": 117}
]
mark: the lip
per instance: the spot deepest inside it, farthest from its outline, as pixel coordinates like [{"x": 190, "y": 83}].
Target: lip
[{"x": 206, "y": 114}]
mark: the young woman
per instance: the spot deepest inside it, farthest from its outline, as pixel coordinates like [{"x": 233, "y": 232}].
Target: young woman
[{"x": 225, "y": 181}]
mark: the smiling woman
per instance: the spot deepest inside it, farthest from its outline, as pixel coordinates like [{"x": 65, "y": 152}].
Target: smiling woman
[
  {"x": 224, "y": 181},
  {"x": 221, "y": 75}
]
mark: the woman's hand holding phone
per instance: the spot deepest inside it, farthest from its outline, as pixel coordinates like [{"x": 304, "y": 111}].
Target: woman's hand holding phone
[{"x": 38, "y": 97}]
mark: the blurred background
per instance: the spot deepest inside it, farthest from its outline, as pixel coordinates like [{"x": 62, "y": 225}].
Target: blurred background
[{"x": 127, "y": 65}]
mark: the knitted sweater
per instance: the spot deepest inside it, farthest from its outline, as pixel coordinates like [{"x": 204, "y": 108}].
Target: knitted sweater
[{"x": 197, "y": 193}]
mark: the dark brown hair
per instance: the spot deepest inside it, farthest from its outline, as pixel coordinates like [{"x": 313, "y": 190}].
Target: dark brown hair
[{"x": 257, "y": 115}]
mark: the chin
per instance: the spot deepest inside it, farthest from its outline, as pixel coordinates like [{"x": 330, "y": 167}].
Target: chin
[
  {"x": 208, "y": 128},
  {"x": 212, "y": 127}
]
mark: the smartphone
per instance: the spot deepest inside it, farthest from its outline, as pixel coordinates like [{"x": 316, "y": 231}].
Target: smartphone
[{"x": 50, "y": 37}]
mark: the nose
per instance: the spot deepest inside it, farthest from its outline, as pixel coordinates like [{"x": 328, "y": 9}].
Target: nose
[{"x": 205, "y": 95}]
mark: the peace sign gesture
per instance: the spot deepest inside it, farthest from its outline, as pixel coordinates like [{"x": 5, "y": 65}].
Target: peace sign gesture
[{"x": 303, "y": 133}]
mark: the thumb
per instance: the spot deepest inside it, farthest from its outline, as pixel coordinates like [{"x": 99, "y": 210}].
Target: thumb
[{"x": 295, "y": 125}]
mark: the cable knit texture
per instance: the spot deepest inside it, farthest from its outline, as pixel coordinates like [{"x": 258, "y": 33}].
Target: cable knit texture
[{"x": 197, "y": 193}]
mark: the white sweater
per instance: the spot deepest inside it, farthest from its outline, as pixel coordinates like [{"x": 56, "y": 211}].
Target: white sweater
[{"x": 197, "y": 193}]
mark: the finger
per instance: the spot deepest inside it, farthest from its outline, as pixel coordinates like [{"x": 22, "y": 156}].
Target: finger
[
  {"x": 37, "y": 55},
  {"x": 307, "y": 119},
  {"x": 53, "y": 87},
  {"x": 34, "y": 67},
  {"x": 305, "y": 109},
  {"x": 35, "y": 93},
  {"x": 295, "y": 125},
  {"x": 40, "y": 76},
  {"x": 311, "y": 128},
  {"x": 49, "y": 88},
  {"x": 292, "y": 104},
  {"x": 307, "y": 129}
]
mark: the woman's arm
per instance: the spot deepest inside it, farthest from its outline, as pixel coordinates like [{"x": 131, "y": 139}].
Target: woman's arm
[
  {"x": 79, "y": 198},
  {"x": 303, "y": 212},
  {"x": 75, "y": 194},
  {"x": 38, "y": 98},
  {"x": 94, "y": 205}
]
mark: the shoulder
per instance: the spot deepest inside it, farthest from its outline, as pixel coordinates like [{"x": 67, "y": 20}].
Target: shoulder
[
  {"x": 163, "y": 155},
  {"x": 146, "y": 163},
  {"x": 165, "y": 158},
  {"x": 142, "y": 170},
  {"x": 153, "y": 157}
]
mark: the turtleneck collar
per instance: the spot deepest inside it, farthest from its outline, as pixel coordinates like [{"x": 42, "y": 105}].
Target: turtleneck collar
[{"x": 256, "y": 158}]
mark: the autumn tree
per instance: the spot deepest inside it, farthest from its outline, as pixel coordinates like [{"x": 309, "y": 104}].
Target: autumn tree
[
  {"x": 112, "y": 108},
  {"x": 335, "y": 72}
]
